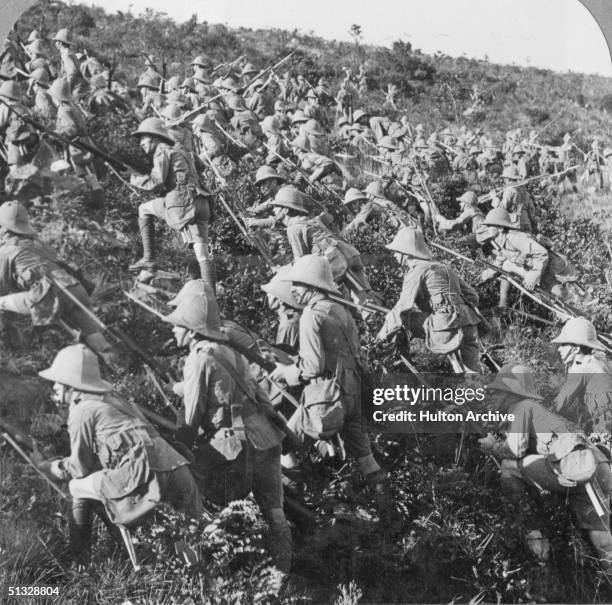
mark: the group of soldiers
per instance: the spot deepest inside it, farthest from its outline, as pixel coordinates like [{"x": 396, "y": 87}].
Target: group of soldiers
[{"x": 199, "y": 132}]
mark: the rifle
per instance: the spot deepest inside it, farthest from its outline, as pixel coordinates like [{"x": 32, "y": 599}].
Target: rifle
[
  {"x": 116, "y": 333},
  {"x": 432, "y": 204},
  {"x": 79, "y": 144},
  {"x": 485, "y": 198}
]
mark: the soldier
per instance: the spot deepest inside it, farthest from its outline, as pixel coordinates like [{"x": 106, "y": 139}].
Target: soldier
[
  {"x": 586, "y": 396},
  {"x": 27, "y": 271},
  {"x": 70, "y": 123},
  {"x": 539, "y": 448},
  {"x": 268, "y": 181},
  {"x": 102, "y": 100},
  {"x": 520, "y": 253},
  {"x": 188, "y": 90},
  {"x": 200, "y": 77},
  {"x": 70, "y": 68},
  {"x": 280, "y": 113},
  {"x": 470, "y": 219},
  {"x": 320, "y": 167},
  {"x": 261, "y": 102},
  {"x": 39, "y": 52},
  {"x": 317, "y": 138},
  {"x": 118, "y": 463},
  {"x": 331, "y": 366},
  {"x": 275, "y": 144},
  {"x": 435, "y": 304},
  {"x": 223, "y": 403},
  {"x": 308, "y": 235},
  {"x": 43, "y": 104},
  {"x": 517, "y": 202},
  {"x": 282, "y": 301},
  {"x": 378, "y": 206},
  {"x": 152, "y": 99},
  {"x": 209, "y": 147},
  {"x": 184, "y": 206},
  {"x": 20, "y": 138}
]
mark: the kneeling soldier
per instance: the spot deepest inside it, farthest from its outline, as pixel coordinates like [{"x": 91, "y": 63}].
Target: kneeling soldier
[{"x": 117, "y": 458}]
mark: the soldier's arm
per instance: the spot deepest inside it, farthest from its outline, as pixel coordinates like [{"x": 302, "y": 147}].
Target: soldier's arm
[
  {"x": 298, "y": 238},
  {"x": 570, "y": 395},
  {"x": 82, "y": 460},
  {"x": 156, "y": 179},
  {"x": 468, "y": 292},
  {"x": 311, "y": 362},
  {"x": 196, "y": 373},
  {"x": 393, "y": 320},
  {"x": 516, "y": 443}
]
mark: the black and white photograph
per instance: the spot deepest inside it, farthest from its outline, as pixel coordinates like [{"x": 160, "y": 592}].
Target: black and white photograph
[{"x": 305, "y": 302}]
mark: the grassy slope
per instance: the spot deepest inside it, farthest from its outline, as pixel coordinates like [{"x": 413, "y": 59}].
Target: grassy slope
[{"x": 453, "y": 517}]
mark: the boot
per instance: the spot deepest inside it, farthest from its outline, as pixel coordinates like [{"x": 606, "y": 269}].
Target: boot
[
  {"x": 382, "y": 498},
  {"x": 80, "y": 531},
  {"x": 281, "y": 545},
  {"x": 504, "y": 290},
  {"x": 208, "y": 274},
  {"x": 147, "y": 233}
]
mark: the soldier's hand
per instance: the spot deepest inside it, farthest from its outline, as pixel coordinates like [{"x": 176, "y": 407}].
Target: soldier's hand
[{"x": 531, "y": 280}]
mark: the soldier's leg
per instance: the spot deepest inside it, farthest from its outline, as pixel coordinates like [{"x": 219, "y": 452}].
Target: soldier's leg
[
  {"x": 470, "y": 348},
  {"x": 81, "y": 520},
  {"x": 198, "y": 237},
  {"x": 268, "y": 492},
  {"x": 504, "y": 290},
  {"x": 147, "y": 213},
  {"x": 179, "y": 489}
]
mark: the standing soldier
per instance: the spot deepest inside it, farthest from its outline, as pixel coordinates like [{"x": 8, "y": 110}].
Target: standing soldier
[
  {"x": 70, "y": 69},
  {"x": 20, "y": 138},
  {"x": 27, "y": 271},
  {"x": 118, "y": 464},
  {"x": 435, "y": 304},
  {"x": 184, "y": 206},
  {"x": 586, "y": 396},
  {"x": 331, "y": 366},
  {"x": 230, "y": 412},
  {"x": 70, "y": 123}
]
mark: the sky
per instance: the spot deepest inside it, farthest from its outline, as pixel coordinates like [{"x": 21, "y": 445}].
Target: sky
[{"x": 554, "y": 34}]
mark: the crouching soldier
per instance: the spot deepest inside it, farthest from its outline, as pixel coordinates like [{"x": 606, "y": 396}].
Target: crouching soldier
[
  {"x": 119, "y": 465},
  {"x": 184, "y": 206},
  {"x": 330, "y": 366},
  {"x": 435, "y": 304},
  {"x": 542, "y": 450},
  {"x": 586, "y": 395},
  {"x": 238, "y": 449},
  {"x": 28, "y": 269}
]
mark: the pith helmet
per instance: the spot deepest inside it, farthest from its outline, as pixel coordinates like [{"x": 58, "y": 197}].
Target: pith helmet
[
  {"x": 360, "y": 113},
  {"x": 189, "y": 289},
  {"x": 201, "y": 61},
  {"x": 63, "y": 35},
  {"x": 510, "y": 172},
  {"x": 312, "y": 270},
  {"x": 203, "y": 122},
  {"x": 229, "y": 84},
  {"x": 98, "y": 81},
  {"x": 313, "y": 127},
  {"x": 280, "y": 105},
  {"x": 410, "y": 241},
  {"x": 153, "y": 127},
  {"x": 298, "y": 117},
  {"x": 354, "y": 195},
  {"x": 388, "y": 142},
  {"x": 77, "y": 367},
  {"x": 515, "y": 378},
  {"x": 60, "y": 90},
  {"x": 15, "y": 218},
  {"x": 199, "y": 313},
  {"x": 301, "y": 142},
  {"x": 171, "y": 111},
  {"x": 11, "y": 90},
  {"x": 279, "y": 287},
  {"x": 249, "y": 68},
  {"x": 518, "y": 149},
  {"x": 173, "y": 83},
  {"x": 236, "y": 103},
  {"x": 469, "y": 198},
  {"x": 40, "y": 76},
  {"x": 290, "y": 197},
  {"x": 271, "y": 125},
  {"x": 148, "y": 80},
  {"x": 498, "y": 217},
  {"x": 265, "y": 173},
  {"x": 579, "y": 331},
  {"x": 37, "y": 48},
  {"x": 375, "y": 188}
]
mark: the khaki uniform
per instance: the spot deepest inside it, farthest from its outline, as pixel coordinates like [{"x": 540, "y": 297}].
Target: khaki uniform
[
  {"x": 43, "y": 105},
  {"x": 520, "y": 206},
  {"x": 215, "y": 400},
  {"x": 261, "y": 104},
  {"x": 71, "y": 70},
  {"x": 182, "y": 204},
  {"x": 382, "y": 207},
  {"x": 330, "y": 349},
  {"x": 530, "y": 441},
  {"x": 470, "y": 218},
  {"x": 438, "y": 304},
  {"x": 586, "y": 396},
  {"x": 20, "y": 137},
  {"x": 25, "y": 266}
]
